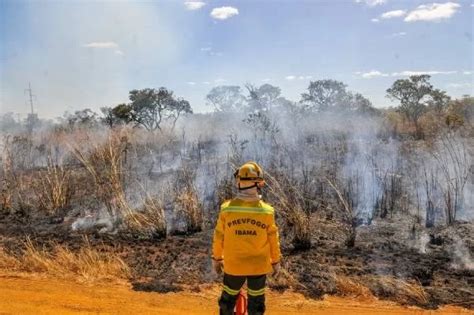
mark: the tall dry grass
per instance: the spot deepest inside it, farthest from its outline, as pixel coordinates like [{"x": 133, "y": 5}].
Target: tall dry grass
[
  {"x": 8, "y": 261},
  {"x": 85, "y": 265},
  {"x": 53, "y": 187},
  {"x": 104, "y": 162},
  {"x": 290, "y": 205},
  {"x": 399, "y": 290},
  {"x": 150, "y": 222},
  {"x": 16, "y": 195},
  {"x": 349, "y": 217},
  {"x": 6, "y": 192},
  {"x": 188, "y": 208},
  {"x": 186, "y": 204},
  {"x": 352, "y": 288}
]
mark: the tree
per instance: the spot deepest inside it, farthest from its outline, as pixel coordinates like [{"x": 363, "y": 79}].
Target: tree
[
  {"x": 84, "y": 117},
  {"x": 325, "y": 94},
  {"x": 179, "y": 107},
  {"x": 8, "y": 123},
  {"x": 108, "y": 118},
  {"x": 460, "y": 112},
  {"x": 263, "y": 98},
  {"x": 149, "y": 108},
  {"x": 331, "y": 95},
  {"x": 226, "y": 98},
  {"x": 439, "y": 100},
  {"x": 362, "y": 105},
  {"x": 120, "y": 114},
  {"x": 413, "y": 94}
]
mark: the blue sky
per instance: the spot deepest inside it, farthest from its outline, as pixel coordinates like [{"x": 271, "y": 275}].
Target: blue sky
[{"x": 89, "y": 54}]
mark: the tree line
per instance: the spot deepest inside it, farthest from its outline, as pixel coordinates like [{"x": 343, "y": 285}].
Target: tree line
[{"x": 150, "y": 108}]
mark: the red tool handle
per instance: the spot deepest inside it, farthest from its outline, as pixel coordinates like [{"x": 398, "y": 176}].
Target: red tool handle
[{"x": 241, "y": 305}]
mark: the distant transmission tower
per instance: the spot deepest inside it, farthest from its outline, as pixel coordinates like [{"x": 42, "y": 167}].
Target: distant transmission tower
[{"x": 31, "y": 95}]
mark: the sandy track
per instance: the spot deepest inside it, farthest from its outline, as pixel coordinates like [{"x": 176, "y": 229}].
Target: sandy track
[{"x": 20, "y": 295}]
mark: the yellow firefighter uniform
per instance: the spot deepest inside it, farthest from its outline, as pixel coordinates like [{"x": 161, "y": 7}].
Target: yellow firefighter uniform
[{"x": 246, "y": 238}]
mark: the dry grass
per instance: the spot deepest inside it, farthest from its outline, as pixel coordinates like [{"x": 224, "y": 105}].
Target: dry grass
[
  {"x": 104, "y": 161},
  {"x": 188, "y": 207},
  {"x": 401, "y": 291},
  {"x": 149, "y": 222},
  {"x": 53, "y": 187},
  {"x": 86, "y": 265},
  {"x": 7, "y": 191},
  {"x": 288, "y": 202},
  {"x": 8, "y": 261},
  {"x": 16, "y": 182},
  {"x": 284, "y": 280},
  {"x": 352, "y": 288}
]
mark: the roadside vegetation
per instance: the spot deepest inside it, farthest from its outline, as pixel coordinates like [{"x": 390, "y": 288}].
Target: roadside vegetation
[
  {"x": 86, "y": 265},
  {"x": 373, "y": 184}
]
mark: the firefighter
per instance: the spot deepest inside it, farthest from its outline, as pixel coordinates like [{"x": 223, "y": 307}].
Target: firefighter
[{"x": 246, "y": 244}]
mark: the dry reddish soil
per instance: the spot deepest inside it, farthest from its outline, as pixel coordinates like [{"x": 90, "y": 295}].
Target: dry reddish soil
[{"x": 48, "y": 296}]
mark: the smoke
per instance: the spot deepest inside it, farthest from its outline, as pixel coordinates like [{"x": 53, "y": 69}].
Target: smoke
[
  {"x": 422, "y": 242},
  {"x": 461, "y": 256},
  {"x": 371, "y": 169},
  {"x": 443, "y": 180},
  {"x": 101, "y": 223},
  {"x": 369, "y": 163}
]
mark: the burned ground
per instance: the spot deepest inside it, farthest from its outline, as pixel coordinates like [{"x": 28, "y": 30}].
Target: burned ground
[
  {"x": 362, "y": 210},
  {"x": 389, "y": 266}
]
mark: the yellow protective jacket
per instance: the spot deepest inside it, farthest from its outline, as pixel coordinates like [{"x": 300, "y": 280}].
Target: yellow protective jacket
[{"x": 246, "y": 238}]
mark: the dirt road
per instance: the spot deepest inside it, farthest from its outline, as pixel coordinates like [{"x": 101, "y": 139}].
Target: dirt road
[{"x": 20, "y": 295}]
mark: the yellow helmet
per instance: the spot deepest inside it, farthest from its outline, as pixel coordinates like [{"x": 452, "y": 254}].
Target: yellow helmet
[{"x": 250, "y": 172}]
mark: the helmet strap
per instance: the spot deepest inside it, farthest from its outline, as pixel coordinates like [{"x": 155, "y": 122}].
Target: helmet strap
[{"x": 250, "y": 187}]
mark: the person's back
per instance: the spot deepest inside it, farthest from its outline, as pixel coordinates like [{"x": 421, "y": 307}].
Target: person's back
[{"x": 246, "y": 243}]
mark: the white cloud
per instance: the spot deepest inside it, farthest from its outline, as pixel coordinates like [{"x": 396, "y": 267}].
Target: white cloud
[
  {"x": 224, "y": 13},
  {"x": 375, "y": 20},
  {"x": 194, "y": 5},
  {"x": 220, "y": 80},
  {"x": 433, "y": 12},
  {"x": 372, "y": 74},
  {"x": 375, "y": 73},
  {"x": 266, "y": 80},
  {"x": 191, "y": 83},
  {"x": 410, "y": 73},
  {"x": 399, "y": 34},
  {"x": 460, "y": 85},
  {"x": 393, "y": 14},
  {"x": 298, "y": 77},
  {"x": 210, "y": 51},
  {"x": 101, "y": 45},
  {"x": 467, "y": 72},
  {"x": 105, "y": 45},
  {"x": 206, "y": 82},
  {"x": 371, "y": 3}
]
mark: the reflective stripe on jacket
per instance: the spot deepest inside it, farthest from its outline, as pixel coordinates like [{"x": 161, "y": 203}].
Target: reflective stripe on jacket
[{"x": 246, "y": 237}]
